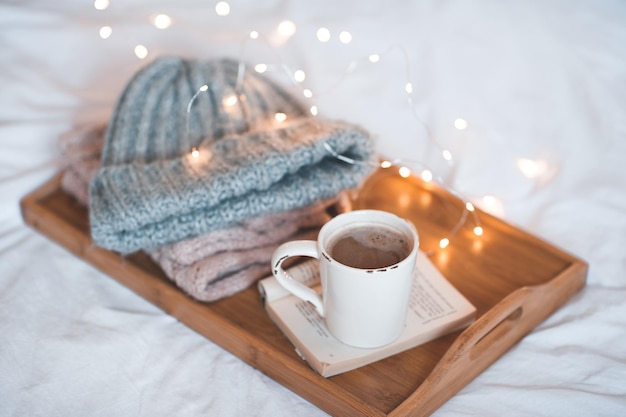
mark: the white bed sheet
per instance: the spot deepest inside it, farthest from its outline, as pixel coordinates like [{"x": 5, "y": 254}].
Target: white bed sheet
[{"x": 541, "y": 80}]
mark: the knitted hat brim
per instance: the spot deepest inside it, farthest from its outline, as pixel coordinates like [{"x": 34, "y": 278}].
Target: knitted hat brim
[
  {"x": 151, "y": 190},
  {"x": 238, "y": 177}
]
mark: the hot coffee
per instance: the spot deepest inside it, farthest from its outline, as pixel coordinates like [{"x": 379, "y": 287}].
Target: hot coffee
[
  {"x": 365, "y": 303},
  {"x": 370, "y": 247}
]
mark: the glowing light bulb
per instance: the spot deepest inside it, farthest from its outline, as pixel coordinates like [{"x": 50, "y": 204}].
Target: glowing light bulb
[
  {"x": 286, "y": 28},
  {"x": 427, "y": 176},
  {"x": 307, "y": 93},
  {"x": 254, "y": 34},
  {"x": 314, "y": 110},
  {"x": 460, "y": 124},
  {"x": 446, "y": 155},
  {"x": 230, "y": 100},
  {"x": 443, "y": 243},
  {"x": 222, "y": 8},
  {"x": 323, "y": 35},
  {"x": 478, "y": 231},
  {"x": 345, "y": 37},
  {"x": 531, "y": 169},
  {"x": 141, "y": 51},
  {"x": 469, "y": 206},
  {"x": 101, "y": 4},
  {"x": 204, "y": 87},
  {"x": 105, "y": 32},
  {"x": 374, "y": 58},
  {"x": 280, "y": 117},
  {"x": 195, "y": 153},
  {"x": 162, "y": 21},
  {"x": 299, "y": 76},
  {"x": 260, "y": 68},
  {"x": 408, "y": 88},
  {"x": 492, "y": 205},
  {"x": 404, "y": 172}
]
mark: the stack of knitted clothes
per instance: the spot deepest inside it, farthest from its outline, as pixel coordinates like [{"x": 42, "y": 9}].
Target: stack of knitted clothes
[{"x": 206, "y": 184}]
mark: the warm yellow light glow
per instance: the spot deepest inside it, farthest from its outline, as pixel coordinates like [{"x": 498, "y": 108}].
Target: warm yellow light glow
[
  {"x": 469, "y": 206},
  {"x": 385, "y": 164},
  {"x": 323, "y": 35},
  {"x": 443, "y": 243},
  {"x": 230, "y": 100},
  {"x": 531, "y": 168},
  {"x": 299, "y": 76},
  {"x": 162, "y": 21},
  {"x": 408, "y": 88},
  {"x": 477, "y": 245},
  {"x": 105, "y": 32},
  {"x": 374, "y": 58},
  {"x": 260, "y": 68},
  {"x": 195, "y": 158},
  {"x": 489, "y": 200},
  {"x": 254, "y": 34},
  {"x": 478, "y": 231},
  {"x": 446, "y": 155},
  {"x": 222, "y": 8},
  {"x": 141, "y": 51},
  {"x": 460, "y": 124},
  {"x": 404, "y": 172},
  {"x": 307, "y": 93},
  {"x": 492, "y": 205},
  {"x": 427, "y": 176},
  {"x": 287, "y": 28},
  {"x": 101, "y": 4},
  {"x": 404, "y": 200},
  {"x": 314, "y": 110},
  {"x": 280, "y": 117},
  {"x": 345, "y": 37}
]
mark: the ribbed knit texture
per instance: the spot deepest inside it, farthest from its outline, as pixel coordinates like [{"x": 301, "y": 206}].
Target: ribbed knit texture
[
  {"x": 150, "y": 190},
  {"x": 216, "y": 264}
]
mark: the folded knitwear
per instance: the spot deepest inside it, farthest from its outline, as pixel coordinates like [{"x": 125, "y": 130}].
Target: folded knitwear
[
  {"x": 224, "y": 273},
  {"x": 152, "y": 190},
  {"x": 81, "y": 151},
  {"x": 216, "y": 264}
]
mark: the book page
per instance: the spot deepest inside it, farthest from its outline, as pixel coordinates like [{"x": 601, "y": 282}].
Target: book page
[
  {"x": 436, "y": 308},
  {"x": 427, "y": 303},
  {"x": 306, "y": 272},
  {"x": 432, "y": 296},
  {"x": 313, "y": 319}
]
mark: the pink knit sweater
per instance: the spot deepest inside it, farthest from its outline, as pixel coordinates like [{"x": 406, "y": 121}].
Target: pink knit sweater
[{"x": 214, "y": 265}]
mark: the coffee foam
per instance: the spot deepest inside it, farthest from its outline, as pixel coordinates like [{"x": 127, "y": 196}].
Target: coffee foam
[{"x": 369, "y": 245}]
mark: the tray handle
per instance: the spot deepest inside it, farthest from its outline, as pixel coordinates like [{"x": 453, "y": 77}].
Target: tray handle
[
  {"x": 490, "y": 336},
  {"x": 475, "y": 349}
]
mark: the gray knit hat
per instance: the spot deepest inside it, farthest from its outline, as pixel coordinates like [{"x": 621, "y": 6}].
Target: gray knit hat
[{"x": 151, "y": 190}]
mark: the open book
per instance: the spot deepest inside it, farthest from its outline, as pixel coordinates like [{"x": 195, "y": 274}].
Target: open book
[{"x": 436, "y": 308}]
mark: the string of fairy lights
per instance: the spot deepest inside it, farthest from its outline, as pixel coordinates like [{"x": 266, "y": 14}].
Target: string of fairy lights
[{"x": 529, "y": 168}]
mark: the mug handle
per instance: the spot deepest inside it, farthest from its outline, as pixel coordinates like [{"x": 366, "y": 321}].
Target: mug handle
[{"x": 288, "y": 250}]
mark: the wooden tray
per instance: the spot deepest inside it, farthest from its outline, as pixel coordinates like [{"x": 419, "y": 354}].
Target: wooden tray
[{"x": 514, "y": 279}]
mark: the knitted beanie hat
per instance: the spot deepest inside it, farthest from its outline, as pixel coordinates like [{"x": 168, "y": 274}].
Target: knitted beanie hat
[{"x": 152, "y": 189}]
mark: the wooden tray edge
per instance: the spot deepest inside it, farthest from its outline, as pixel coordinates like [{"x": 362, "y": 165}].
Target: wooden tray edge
[
  {"x": 498, "y": 323},
  {"x": 255, "y": 352},
  {"x": 500, "y": 328}
]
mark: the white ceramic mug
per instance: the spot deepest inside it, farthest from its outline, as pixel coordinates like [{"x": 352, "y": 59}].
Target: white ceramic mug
[{"x": 362, "y": 306}]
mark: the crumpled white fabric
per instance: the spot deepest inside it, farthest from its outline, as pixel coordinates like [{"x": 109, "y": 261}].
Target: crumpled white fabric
[{"x": 545, "y": 81}]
